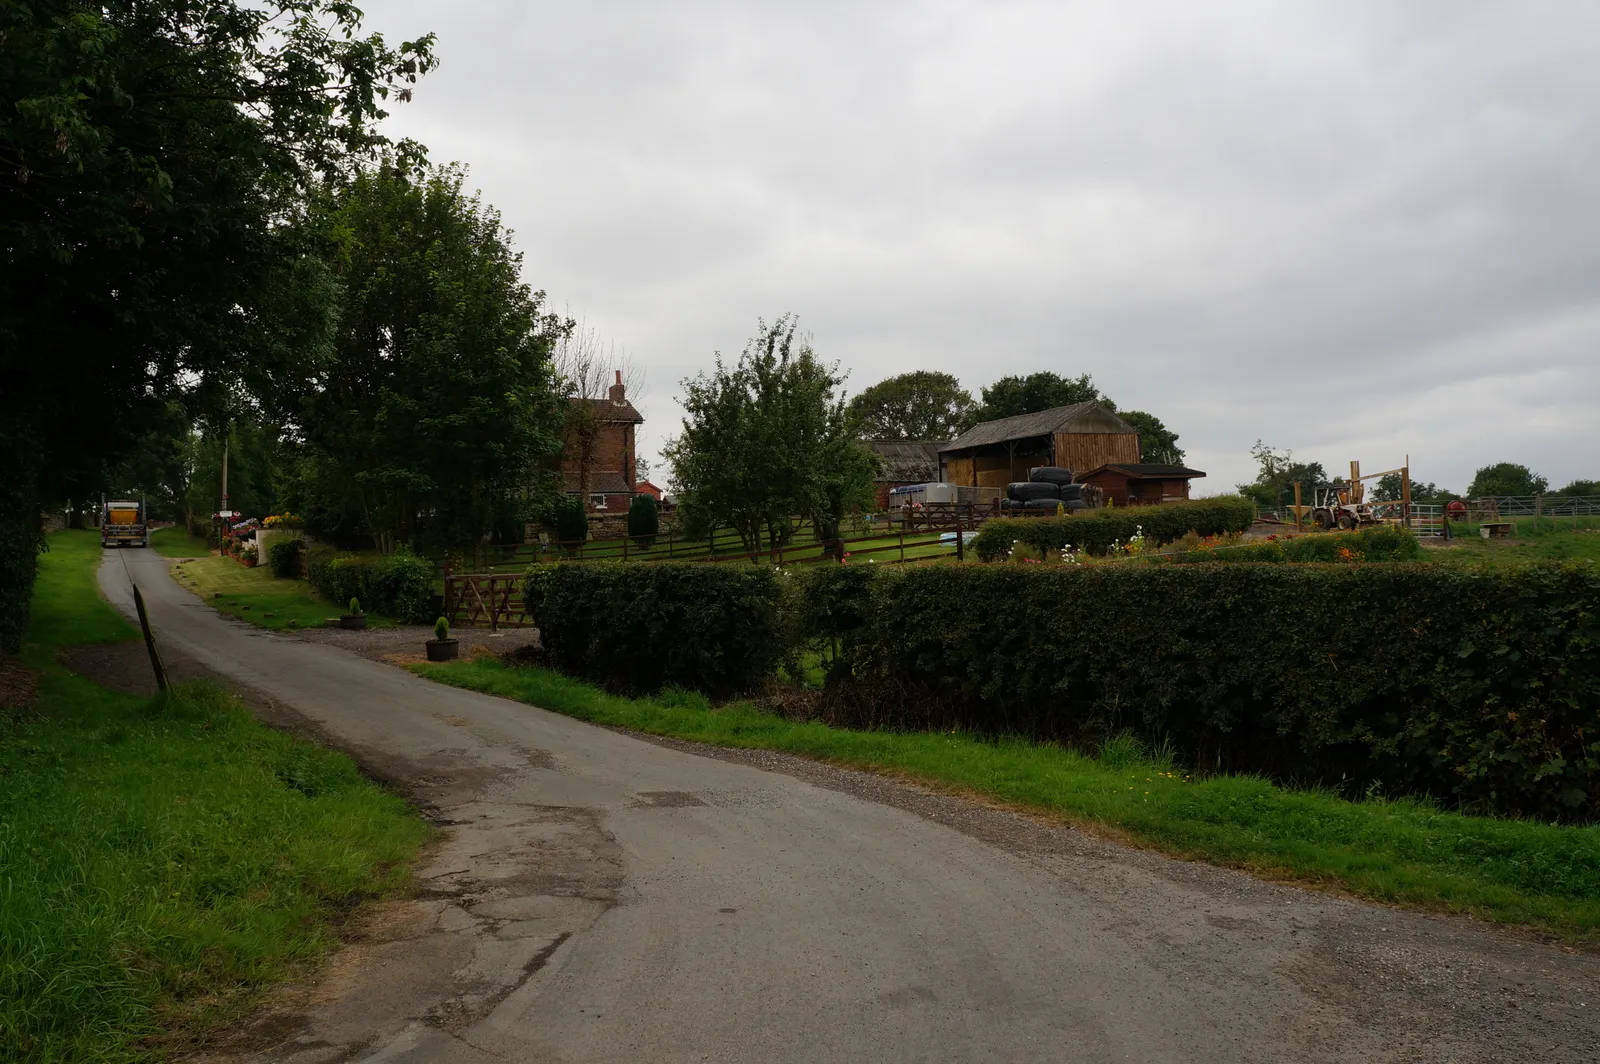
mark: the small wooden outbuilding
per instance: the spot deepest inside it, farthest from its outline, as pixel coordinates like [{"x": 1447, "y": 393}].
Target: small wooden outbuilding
[
  {"x": 1080, "y": 436},
  {"x": 1138, "y": 484},
  {"x": 903, "y": 462}
]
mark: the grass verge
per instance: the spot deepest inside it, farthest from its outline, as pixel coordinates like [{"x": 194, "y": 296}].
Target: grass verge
[
  {"x": 1400, "y": 852},
  {"x": 160, "y": 859},
  {"x": 255, "y": 595},
  {"x": 175, "y": 542}
]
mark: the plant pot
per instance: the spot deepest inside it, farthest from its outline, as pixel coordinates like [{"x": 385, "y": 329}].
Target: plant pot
[
  {"x": 443, "y": 649},
  {"x": 249, "y": 563},
  {"x": 353, "y": 621}
]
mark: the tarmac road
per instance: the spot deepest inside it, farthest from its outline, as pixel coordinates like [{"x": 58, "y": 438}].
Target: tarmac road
[{"x": 600, "y": 897}]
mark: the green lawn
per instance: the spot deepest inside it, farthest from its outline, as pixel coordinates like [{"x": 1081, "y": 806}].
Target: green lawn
[
  {"x": 255, "y": 595},
  {"x": 163, "y": 859},
  {"x": 1565, "y": 543},
  {"x": 175, "y": 542},
  {"x": 1401, "y": 852}
]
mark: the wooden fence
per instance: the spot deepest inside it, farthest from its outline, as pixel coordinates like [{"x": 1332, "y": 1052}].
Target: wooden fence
[{"x": 495, "y": 599}]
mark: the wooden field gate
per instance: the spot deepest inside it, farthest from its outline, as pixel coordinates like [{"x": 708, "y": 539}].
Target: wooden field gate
[{"x": 494, "y": 599}]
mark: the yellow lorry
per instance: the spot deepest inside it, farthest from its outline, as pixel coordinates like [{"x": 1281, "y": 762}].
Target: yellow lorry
[{"x": 122, "y": 523}]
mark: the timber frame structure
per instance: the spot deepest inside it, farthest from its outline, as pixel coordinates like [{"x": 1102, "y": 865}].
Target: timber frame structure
[{"x": 1081, "y": 437}]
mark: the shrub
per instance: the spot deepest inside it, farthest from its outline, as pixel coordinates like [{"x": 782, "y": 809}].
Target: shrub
[
  {"x": 283, "y": 553},
  {"x": 572, "y": 523},
  {"x": 441, "y": 629},
  {"x": 402, "y": 587},
  {"x": 638, "y": 628},
  {"x": 399, "y": 585},
  {"x": 644, "y": 520},
  {"x": 1370, "y": 545},
  {"x": 1479, "y": 686},
  {"x": 1095, "y": 530}
]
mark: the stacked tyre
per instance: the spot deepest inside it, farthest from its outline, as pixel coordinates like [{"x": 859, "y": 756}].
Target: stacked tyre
[{"x": 1047, "y": 488}]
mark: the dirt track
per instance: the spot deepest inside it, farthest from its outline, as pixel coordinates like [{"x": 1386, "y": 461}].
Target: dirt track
[{"x": 604, "y": 898}]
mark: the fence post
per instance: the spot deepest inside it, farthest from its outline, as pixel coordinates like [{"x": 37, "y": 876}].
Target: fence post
[
  {"x": 961, "y": 536},
  {"x": 150, "y": 641}
]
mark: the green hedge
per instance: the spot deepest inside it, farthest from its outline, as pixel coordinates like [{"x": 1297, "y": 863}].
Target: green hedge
[
  {"x": 283, "y": 553},
  {"x": 1478, "y": 686},
  {"x": 637, "y": 628},
  {"x": 1371, "y": 545},
  {"x": 1095, "y": 530},
  {"x": 399, "y": 585}
]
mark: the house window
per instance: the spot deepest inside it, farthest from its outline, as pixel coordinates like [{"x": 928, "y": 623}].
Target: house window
[{"x": 597, "y": 501}]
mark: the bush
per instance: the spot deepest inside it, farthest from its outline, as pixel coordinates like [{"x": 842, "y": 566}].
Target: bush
[
  {"x": 1370, "y": 545},
  {"x": 1095, "y": 530},
  {"x": 283, "y": 554},
  {"x": 638, "y": 628},
  {"x": 402, "y": 587},
  {"x": 572, "y": 523},
  {"x": 1479, "y": 686},
  {"x": 399, "y": 585},
  {"x": 644, "y": 520}
]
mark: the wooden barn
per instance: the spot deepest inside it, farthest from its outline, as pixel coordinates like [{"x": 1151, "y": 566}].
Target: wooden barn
[
  {"x": 1138, "y": 484},
  {"x": 903, "y": 462},
  {"x": 1080, "y": 436}
]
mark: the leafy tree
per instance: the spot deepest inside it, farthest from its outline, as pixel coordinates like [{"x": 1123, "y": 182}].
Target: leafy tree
[
  {"x": 153, "y": 150},
  {"x": 1581, "y": 488},
  {"x": 1506, "y": 478},
  {"x": 1157, "y": 443},
  {"x": 767, "y": 439},
  {"x": 437, "y": 413},
  {"x": 1278, "y": 472},
  {"x": 1389, "y": 486},
  {"x": 1010, "y": 396},
  {"x": 921, "y": 405}
]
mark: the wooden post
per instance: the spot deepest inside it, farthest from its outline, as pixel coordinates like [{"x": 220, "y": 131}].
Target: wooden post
[
  {"x": 961, "y": 536},
  {"x": 149, "y": 641},
  {"x": 1405, "y": 494},
  {"x": 1355, "y": 483},
  {"x": 1297, "y": 511}
]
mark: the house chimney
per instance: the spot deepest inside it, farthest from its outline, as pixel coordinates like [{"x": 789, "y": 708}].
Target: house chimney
[{"x": 619, "y": 394}]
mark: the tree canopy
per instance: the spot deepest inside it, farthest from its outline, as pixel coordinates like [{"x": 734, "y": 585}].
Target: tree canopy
[
  {"x": 921, "y": 405},
  {"x": 154, "y": 152},
  {"x": 434, "y": 418},
  {"x": 1014, "y": 395},
  {"x": 1157, "y": 443},
  {"x": 1277, "y": 473},
  {"x": 767, "y": 439},
  {"x": 1506, "y": 478},
  {"x": 1581, "y": 488}
]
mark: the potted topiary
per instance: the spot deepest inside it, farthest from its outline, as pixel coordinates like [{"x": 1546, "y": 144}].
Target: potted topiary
[
  {"x": 441, "y": 647},
  {"x": 355, "y": 619}
]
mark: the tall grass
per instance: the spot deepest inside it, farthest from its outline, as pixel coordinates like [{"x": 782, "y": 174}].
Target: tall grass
[
  {"x": 1407, "y": 852},
  {"x": 161, "y": 858}
]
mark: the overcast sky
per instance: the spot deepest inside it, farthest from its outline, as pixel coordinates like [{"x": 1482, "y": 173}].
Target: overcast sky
[{"x": 1352, "y": 229}]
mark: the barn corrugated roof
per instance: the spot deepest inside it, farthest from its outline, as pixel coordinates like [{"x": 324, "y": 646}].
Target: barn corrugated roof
[
  {"x": 1075, "y": 417},
  {"x": 908, "y": 461}
]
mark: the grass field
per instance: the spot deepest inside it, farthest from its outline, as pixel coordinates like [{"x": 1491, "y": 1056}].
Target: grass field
[
  {"x": 162, "y": 859},
  {"x": 255, "y": 595},
  {"x": 1401, "y": 852},
  {"x": 1564, "y": 543},
  {"x": 175, "y": 542}
]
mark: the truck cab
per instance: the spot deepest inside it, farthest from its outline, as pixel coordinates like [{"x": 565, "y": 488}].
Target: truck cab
[{"x": 122, "y": 523}]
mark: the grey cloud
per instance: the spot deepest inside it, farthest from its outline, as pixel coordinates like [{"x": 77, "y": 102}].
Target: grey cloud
[{"x": 1354, "y": 229}]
